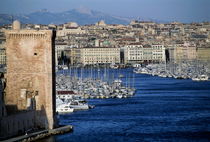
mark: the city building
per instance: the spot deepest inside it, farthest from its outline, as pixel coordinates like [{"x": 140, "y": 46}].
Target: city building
[
  {"x": 158, "y": 53},
  {"x": 133, "y": 53},
  {"x": 69, "y": 29},
  {"x": 59, "y": 52},
  {"x": 101, "y": 23},
  {"x": 203, "y": 54},
  {"x": 2, "y": 54},
  {"x": 137, "y": 53},
  {"x": 2, "y": 103},
  {"x": 100, "y": 55},
  {"x": 74, "y": 54},
  {"x": 182, "y": 52}
]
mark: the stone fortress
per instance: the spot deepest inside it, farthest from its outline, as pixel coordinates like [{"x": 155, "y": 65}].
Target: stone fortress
[{"x": 29, "y": 93}]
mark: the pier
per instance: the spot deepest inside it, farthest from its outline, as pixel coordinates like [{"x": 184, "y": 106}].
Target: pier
[{"x": 40, "y": 134}]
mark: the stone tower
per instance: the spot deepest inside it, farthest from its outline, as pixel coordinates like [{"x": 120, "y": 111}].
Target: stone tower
[{"x": 30, "y": 75}]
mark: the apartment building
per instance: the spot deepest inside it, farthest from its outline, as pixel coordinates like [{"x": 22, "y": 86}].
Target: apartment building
[
  {"x": 137, "y": 53},
  {"x": 2, "y": 54},
  {"x": 133, "y": 53},
  {"x": 158, "y": 52},
  {"x": 70, "y": 30},
  {"x": 182, "y": 52},
  {"x": 100, "y": 55},
  {"x": 74, "y": 55}
]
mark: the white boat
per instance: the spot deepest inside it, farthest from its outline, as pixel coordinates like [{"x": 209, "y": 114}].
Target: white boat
[
  {"x": 64, "y": 108},
  {"x": 141, "y": 70},
  {"x": 162, "y": 75},
  {"x": 136, "y": 65},
  {"x": 121, "y": 75},
  {"x": 201, "y": 78},
  {"x": 117, "y": 82},
  {"x": 78, "y": 105},
  {"x": 204, "y": 77},
  {"x": 58, "y": 102},
  {"x": 114, "y": 66},
  {"x": 119, "y": 96},
  {"x": 65, "y": 67},
  {"x": 195, "y": 79}
]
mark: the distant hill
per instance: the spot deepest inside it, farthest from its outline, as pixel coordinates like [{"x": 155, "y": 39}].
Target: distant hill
[{"x": 81, "y": 16}]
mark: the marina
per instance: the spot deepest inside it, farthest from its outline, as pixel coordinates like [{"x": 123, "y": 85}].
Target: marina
[
  {"x": 163, "y": 109},
  {"x": 72, "y": 90},
  {"x": 197, "y": 71}
]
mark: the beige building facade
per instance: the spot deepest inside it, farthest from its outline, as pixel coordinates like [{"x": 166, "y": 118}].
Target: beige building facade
[
  {"x": 70, "y": 30},
  {"x": 133, "y": 53},
  {"x": 137, "y": 53},
  {"x": 2, "y": 54},
  {"x": 75, "y": 55},
  {"x": 100, "y": 55},
  {"x": 203, "y": 54},
  {"x": 182, "y": 52}
]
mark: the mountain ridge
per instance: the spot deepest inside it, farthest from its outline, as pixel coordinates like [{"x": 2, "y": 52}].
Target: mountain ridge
[{"x": 81, "y": 16}]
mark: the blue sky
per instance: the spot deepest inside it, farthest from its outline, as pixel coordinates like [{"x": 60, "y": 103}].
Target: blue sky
[{"x": 167, "y": 10}]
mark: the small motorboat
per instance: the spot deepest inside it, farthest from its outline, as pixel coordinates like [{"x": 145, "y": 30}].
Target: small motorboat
[
  {"x": 64, "y": 108},
  {"x": 77, "y": 105}
]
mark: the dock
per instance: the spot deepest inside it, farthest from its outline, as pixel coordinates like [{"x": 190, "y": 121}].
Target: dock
[{"x": 41, "y": 134}]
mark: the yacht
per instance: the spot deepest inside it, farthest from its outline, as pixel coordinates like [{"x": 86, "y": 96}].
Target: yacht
[
  {"x": 121, "y": 75},
  {"x": 195, "y": 79},
  {"x": 119, "y": 96},
  {"x": 114, "y": 66},
  {"x": 201, "y": 78},
  {"x": 77, "y": 105},
  {"x": 204, "y": 77},
  {"x": 64, "y": 108}
]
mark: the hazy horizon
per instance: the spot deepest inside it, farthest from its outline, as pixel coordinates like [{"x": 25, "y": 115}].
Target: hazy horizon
[{"x": 164, "y": 10}]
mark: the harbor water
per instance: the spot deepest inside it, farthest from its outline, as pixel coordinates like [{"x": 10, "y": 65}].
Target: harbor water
[{"x": 163, "y": 109}]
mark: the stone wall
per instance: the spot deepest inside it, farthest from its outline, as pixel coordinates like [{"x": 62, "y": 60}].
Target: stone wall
[
  {"x": 17, "y": 124},
  {"x": 30, "y": 74}
]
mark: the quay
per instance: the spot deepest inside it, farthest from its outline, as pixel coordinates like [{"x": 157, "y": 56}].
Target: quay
[{"x": 41, "y": 134}]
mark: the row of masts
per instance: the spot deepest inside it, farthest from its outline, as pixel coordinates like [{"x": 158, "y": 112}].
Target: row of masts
[
  {"x": 96, "y": 82},
  {"x": 105, "y": 74}
]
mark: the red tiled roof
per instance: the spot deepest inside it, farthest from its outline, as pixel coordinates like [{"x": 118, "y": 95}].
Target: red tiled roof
[{"x": 65, "y": 92}]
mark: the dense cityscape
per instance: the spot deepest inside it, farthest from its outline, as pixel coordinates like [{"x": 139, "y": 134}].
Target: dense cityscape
[{"x": 138, "y": 42}]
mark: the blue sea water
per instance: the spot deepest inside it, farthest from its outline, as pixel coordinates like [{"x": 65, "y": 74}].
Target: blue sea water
[{"x": 163, "y": 109}]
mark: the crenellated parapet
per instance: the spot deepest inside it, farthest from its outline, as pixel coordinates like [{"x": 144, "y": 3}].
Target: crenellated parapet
[{"x": 28, "y": 34}]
